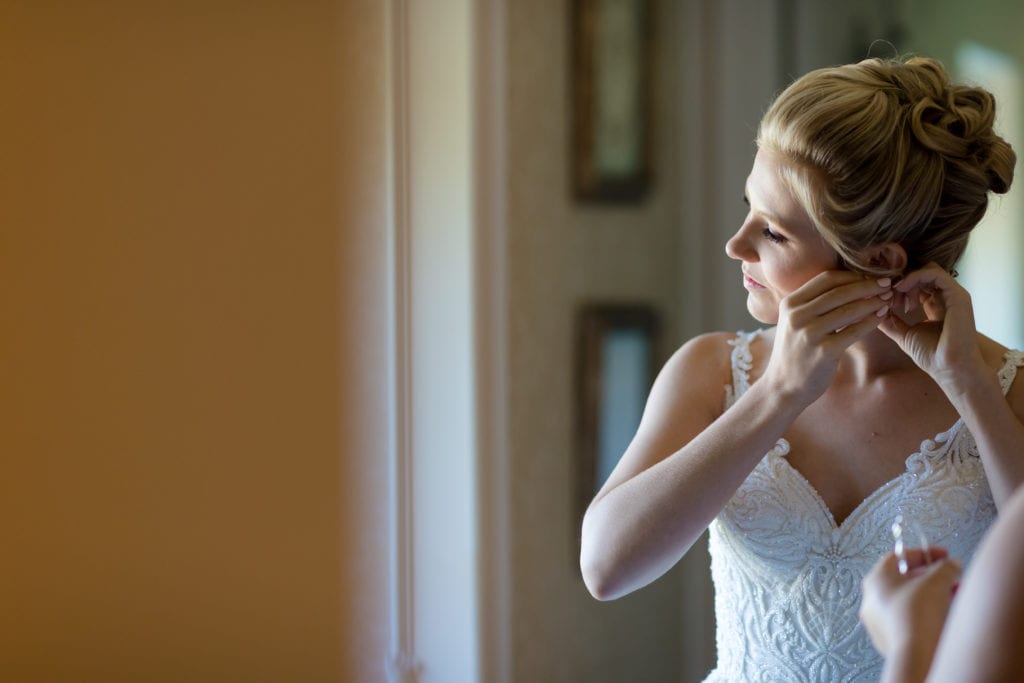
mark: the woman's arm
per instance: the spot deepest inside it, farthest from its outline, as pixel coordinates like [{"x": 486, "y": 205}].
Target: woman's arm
[
  {"x": 688, "y": 457},
  {"x": 945, "y": 345},
  {"x": 982, "y": 638},
  {"x": 660, "y": 498},
  {"x": 997, "y": 430}
]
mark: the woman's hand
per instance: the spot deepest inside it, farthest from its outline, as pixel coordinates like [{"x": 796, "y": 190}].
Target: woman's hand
[
  {"x": 943, "y": 343},
  {"x": 904, "y": 613},
  {"x": 817, "y": 323}
]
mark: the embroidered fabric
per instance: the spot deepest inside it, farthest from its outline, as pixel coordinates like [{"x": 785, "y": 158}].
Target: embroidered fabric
[{"x": 787, "y": 578}]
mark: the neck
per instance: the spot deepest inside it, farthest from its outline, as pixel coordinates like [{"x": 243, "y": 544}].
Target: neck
[{"x": 876, "y": 355}]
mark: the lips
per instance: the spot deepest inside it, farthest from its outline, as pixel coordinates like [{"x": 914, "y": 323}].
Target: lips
[{"x": 751, "y": 283}]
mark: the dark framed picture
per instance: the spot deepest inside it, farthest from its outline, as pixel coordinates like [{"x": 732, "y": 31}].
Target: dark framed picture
[
  {"x": 612, "y": 99},
  {"x": 614, "y": 371}
]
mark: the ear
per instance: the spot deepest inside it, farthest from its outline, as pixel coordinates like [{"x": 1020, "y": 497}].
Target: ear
[{"x": 889, "y": 256}]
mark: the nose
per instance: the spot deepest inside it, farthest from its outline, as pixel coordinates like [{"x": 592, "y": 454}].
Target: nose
[{"x": 739, "y": 247}]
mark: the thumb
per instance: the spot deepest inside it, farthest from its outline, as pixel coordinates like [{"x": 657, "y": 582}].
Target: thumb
[{"x": 894, "y": 328}]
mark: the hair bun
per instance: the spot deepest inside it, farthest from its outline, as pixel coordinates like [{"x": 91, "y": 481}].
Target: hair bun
[
  {"x": 889, "y": 151},
  {"x": 940, "y": 129},
  {"x": 957, "y": 123}
]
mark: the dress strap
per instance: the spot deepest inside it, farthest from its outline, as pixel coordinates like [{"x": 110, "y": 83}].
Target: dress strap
[
  {"x": 1011, "y": 361},
  {"x": 742, "y": 362}
]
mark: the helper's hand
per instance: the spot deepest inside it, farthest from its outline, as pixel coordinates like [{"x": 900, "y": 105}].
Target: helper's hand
[
  {"x": 817, "y": 323},
  {"x": 904, "y": 613}
]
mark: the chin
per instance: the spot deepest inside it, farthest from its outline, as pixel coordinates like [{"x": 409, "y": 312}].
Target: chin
[{"x": 761, "y": 315}]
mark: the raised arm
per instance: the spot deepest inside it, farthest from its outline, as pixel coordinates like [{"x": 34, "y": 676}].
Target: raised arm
[
  {"x": 689, "y": 457},
  {"x": 661, "y": 497},
  {"x": 945, "y": 345}
]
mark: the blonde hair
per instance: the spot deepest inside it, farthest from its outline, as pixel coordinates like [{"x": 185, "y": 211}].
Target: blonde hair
[{"x": 889, "y": 151}]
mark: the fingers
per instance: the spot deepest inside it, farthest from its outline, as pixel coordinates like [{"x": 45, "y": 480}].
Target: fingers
[
  {"x": 823, "y": 282},
  {"x": 932, "y": 287},
  {"x": 932, "y": 276},
  {"x": 836, "y": 300},
  {"x": 945, "y": 572},
  {"x": 848, "y": 333},
  {"x": 941, "y": 578},
  {"x": 886, "y": 568},
  {"x": 894, "y": 605},
  {"x": 833, "y": 288},
  {"x": 894, "y": 328},
  {"x": 922, "y": 557}
]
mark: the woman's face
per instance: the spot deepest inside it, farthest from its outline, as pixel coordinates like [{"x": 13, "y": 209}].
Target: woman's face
[{"x": 777, "y": 243}]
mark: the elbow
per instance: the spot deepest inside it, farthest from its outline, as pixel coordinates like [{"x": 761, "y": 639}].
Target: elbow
[
  {"x": 598, "y": 585},
  {"x": 606, "y": 566},
  {"x": 599, "y": 579},
  {"x": 601, "y": 563}
]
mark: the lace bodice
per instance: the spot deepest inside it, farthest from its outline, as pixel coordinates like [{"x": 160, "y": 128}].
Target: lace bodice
[{"x": 787, "y": 578}]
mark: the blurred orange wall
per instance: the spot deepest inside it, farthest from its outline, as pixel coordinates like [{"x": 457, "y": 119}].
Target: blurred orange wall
[{"x": 192, "y": 463}]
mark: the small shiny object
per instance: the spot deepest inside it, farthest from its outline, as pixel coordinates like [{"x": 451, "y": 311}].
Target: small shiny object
[{"x": 899, "y": 526}]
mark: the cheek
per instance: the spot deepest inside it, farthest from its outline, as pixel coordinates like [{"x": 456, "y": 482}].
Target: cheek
[
  {"x": 792, "y": 274},
  {"x": 792, "y": 282},
  {"x": 789, "y": 279}
]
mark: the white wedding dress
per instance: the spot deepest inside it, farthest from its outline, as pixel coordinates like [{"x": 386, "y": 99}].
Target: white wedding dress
[{"x": 787, "y": 578}]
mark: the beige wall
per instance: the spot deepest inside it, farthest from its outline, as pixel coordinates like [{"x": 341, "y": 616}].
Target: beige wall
[
  {"x": 561, "y": 254},
  {"x": 181, "y": 370}
]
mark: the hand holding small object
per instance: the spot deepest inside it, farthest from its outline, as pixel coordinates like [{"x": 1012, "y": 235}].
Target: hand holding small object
[
  {"x": 900, "y": 526},
  {"x": 907, "y": 596}
]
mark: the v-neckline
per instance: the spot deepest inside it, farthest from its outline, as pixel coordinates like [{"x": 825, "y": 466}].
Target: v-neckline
[
  {"x": 945, "y": 438},
  {"x": 742, "y": 361}
]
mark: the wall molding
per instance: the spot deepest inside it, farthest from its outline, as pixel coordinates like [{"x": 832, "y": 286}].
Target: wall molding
[
  {"x": 403, "y": 666},
  {"x": 409, "y": 658},
  {"x": 490, "y": 257}
]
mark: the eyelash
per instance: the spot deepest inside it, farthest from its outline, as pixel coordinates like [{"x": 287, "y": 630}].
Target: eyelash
[{"x": 770, "y": 235}]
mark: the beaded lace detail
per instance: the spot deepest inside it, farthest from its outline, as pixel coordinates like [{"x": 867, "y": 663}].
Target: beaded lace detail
[{"x": 787, "y": 578}]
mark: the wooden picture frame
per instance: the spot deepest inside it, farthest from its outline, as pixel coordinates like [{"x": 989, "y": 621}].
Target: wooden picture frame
[
  {"x": 615, "y": 368},
  {"x": 611, "y": 99}
]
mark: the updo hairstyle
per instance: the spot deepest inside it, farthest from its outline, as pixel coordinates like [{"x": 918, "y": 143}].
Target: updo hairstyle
[{"x": 889, "y": 151}]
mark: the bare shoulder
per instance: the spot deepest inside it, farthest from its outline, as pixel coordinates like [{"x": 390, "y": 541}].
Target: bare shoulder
[
  {"x": 994, "y": 354},
  {"x": 711, "y": 354},
  {"x": 992, "y": 351},
  {"x": 712, "y": 346},
  {"x": 687, "y": 396},
  {"x": 696, "y": 375},
  {"x": 703, "y": 360}
]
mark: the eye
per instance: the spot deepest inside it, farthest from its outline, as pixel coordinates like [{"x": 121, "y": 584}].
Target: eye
[{"x": 772, "y": 236}]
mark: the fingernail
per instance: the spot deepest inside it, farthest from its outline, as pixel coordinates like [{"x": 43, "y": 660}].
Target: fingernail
[
  {"x": 882, "y": 311},
  {"x": 885, "y": 296},
  {"x": 884, "y": 281}
]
